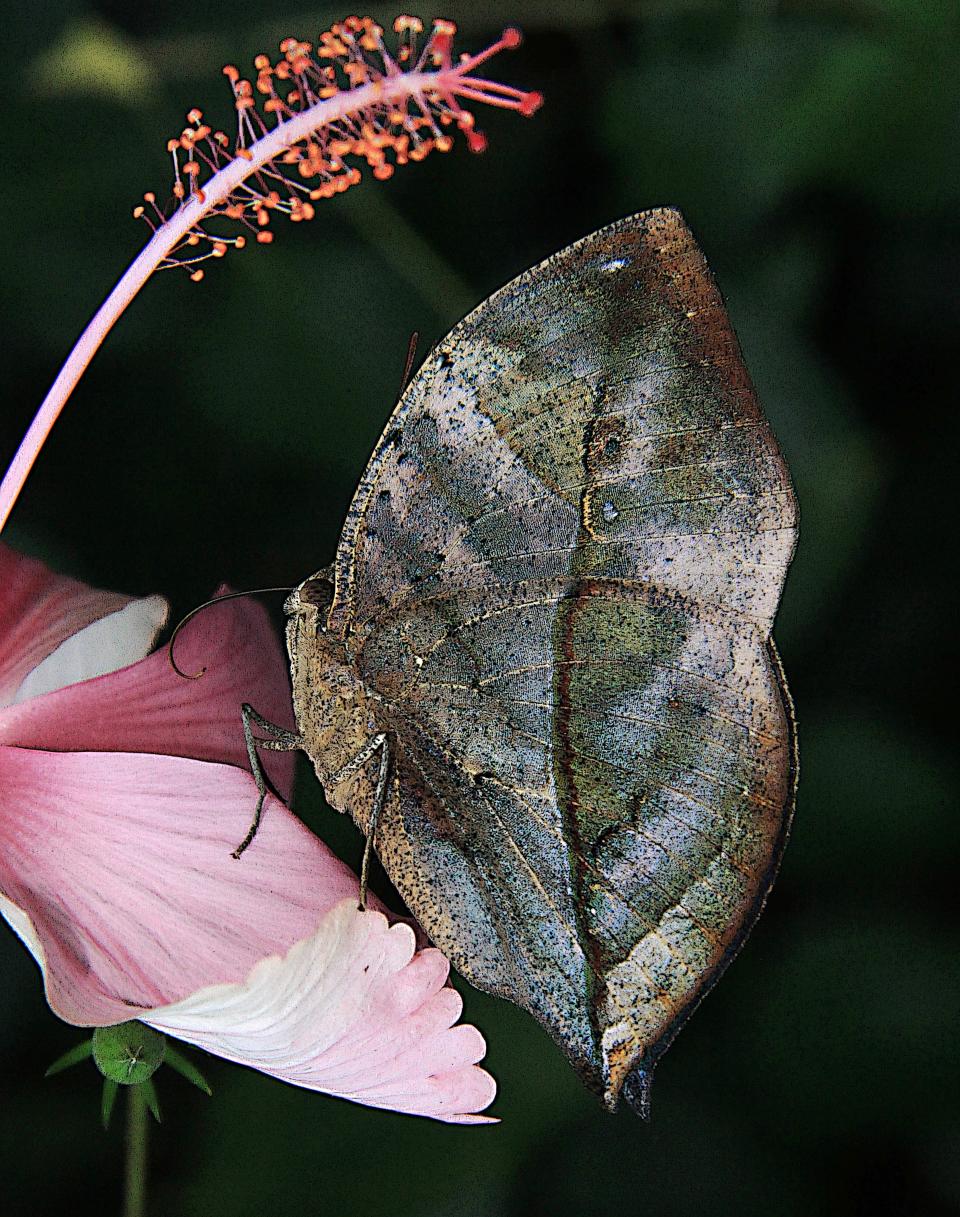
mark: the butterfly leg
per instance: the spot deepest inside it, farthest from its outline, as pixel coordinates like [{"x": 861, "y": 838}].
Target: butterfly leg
[
  {"x": 279, "y": 740},
  {"x": 382, "y": 744}
]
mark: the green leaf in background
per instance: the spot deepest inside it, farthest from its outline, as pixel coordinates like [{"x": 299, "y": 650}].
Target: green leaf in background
[{"x": 93, "y": 58}]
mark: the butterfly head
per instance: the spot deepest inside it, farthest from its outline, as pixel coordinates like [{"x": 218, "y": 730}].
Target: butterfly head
[{"x": 306, "y": 608}]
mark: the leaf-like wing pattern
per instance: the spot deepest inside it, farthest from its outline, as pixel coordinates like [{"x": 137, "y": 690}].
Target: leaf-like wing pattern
[{"x": 556, "y": 583}]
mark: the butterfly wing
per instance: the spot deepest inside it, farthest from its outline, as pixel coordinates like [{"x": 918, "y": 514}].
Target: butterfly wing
[{"x": 558, "y": 576}]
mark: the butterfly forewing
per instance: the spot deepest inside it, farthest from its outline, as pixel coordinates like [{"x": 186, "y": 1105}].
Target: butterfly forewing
[{"x": 557, "y": 580}]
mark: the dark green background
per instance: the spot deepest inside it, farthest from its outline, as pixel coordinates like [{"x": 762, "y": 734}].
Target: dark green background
[{"x": 814, "y": 148}]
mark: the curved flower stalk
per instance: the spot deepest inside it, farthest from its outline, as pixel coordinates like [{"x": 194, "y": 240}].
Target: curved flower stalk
[
  {"x": 321, "y": 110},
  {"x": 121, "y": 798}
]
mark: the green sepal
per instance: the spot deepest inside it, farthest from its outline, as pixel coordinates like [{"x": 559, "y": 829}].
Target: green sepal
[
  {"x": 128, "y": 1053},
  {"x": 187, "y": 1070},
  {"x": 74, "y": 1056},
  {"x": 150, "y": 1095},
  {"x": 107, "y": 1100}
]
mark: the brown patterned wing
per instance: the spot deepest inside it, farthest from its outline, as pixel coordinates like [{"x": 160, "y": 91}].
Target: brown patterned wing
[{"x": 558, "y": 579}]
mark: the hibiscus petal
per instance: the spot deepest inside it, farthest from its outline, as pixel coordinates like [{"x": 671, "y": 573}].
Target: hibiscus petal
[
  {"x": 119, "y": 871},
  {"x": 148, "y": 707},
  {"x": 350, "y": 1010},
  {"x": 38, "y": 611}
]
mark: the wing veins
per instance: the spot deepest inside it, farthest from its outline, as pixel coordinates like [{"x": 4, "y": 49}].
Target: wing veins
[
  {"x": 591, "y": 867},
  {"x": 515, "y": 941},
  {"x": 409, "y": 596},
  {"x": 661, "y": 785}
]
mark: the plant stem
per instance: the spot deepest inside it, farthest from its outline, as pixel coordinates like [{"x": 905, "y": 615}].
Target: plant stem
[{"x": 135, "y": 1167}]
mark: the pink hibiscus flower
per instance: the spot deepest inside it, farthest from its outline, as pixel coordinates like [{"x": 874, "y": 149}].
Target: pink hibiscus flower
[{"x": 123, "y": 790}]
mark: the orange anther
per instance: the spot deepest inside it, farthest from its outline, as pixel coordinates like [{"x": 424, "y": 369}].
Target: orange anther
[
  {"x": 384, "y": 133},
  {"x": 197, "y": 275}
]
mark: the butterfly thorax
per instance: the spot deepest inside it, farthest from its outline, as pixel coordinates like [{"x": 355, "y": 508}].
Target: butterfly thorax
[{"x": 332, "y": 705}]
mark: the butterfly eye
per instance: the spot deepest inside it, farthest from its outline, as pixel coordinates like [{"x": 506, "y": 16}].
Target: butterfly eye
[{"x": 317, "y": 592}]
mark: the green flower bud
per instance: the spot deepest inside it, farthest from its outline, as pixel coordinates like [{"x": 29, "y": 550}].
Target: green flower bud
[{"x": 129, "y": 1052}]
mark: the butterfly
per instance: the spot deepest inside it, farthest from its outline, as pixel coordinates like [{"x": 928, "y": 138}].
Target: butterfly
[{"x": 539, "y": 673}]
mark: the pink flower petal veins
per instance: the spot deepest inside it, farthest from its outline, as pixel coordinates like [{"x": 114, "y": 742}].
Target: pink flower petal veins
[
  {"x": 148, "y": 707},
  {"x": 38, "y": 611},
  {"x": 350, "y": 1010},
  {"x": 122, "y": 864}
]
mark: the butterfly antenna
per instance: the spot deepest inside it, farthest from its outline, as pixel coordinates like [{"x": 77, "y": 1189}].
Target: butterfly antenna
[
  {"x": 408, "y": 366},
  {"x": 256, "y": 591}
]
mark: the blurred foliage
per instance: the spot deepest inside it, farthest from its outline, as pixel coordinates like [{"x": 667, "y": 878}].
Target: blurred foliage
[{"x": 219, "y": 435}]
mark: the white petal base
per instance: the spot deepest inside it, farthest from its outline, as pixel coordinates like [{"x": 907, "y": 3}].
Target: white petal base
[
  {"x": 113, "y": 642},
  {"x": 22, "y": 926}
]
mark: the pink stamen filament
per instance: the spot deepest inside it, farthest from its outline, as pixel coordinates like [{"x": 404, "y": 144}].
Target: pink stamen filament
[{"x": 347, "y": 107}]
